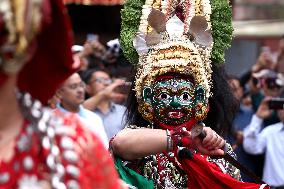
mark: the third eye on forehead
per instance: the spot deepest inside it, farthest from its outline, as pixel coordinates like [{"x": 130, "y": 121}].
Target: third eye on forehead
[{"x": 173, "y": 84}]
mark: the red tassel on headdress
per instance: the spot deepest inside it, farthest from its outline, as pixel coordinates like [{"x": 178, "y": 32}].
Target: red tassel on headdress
[{"x": 203, "y": 175}]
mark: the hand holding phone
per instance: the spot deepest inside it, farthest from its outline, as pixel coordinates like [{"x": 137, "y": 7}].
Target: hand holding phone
[
  {"x": 124, "y": 89},
  {"x": 263, "y": 110}
]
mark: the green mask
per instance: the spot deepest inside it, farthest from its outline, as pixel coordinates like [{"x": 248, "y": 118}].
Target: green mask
[{"x": 172, "y": 100}]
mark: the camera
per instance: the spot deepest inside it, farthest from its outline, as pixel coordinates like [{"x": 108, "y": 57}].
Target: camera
[
  {"x": 271, "y": 83},
  {"x": 276, "y": 103}
]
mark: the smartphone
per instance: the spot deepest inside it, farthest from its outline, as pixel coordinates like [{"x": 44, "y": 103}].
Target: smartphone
[
  {"x": 92, "y": 37},
  {"x": 276, "y": 103}
]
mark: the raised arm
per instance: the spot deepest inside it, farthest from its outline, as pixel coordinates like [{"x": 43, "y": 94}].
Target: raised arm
[
  {"x": 92, "y": 102},
  {"x": 254, "y": 140},
  {"x": 137, "y": 143}
]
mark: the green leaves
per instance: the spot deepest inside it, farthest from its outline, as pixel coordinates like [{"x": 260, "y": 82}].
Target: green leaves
[
  {"x": 221, "y": 19},
  {"x": 130, "y": 22}
]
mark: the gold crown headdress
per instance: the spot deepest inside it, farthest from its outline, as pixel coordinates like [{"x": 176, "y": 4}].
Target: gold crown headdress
[{"x": 174, "y": 36}]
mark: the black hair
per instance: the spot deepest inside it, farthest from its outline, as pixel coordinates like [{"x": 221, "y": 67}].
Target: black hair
[
  {"x": 245, "y": 77},
  {"x": 133, "y": 116},
  {"x": 232, "y": 76},
  {"x": 223, "y": 105},
  {"x": 87, "y": 74}
]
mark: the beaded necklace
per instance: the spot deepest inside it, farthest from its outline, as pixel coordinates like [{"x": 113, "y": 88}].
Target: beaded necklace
[{"x": 44, "y": 154}]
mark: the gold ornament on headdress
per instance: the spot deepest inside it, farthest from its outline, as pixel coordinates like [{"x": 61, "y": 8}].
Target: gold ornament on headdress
[{"x": 174, "y": 38}]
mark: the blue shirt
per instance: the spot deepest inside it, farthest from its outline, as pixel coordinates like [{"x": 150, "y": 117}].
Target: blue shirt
[
  {"x": 114, "y": 120},
  {"x": 242, "y": 119}
]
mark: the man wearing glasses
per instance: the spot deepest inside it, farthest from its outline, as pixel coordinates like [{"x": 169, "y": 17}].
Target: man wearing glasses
[
  {"x": 71, "y": 95},
  {"x": 104, "y": 92}
]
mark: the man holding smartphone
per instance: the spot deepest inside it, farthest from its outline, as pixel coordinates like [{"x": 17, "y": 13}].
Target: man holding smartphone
[
  {"x": 103, "y": 92},
  {"x": 270, "y": 141}
]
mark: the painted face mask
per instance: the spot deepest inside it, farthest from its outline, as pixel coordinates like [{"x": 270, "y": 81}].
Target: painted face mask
[
  {"x": 175, "y": 101},
  {"x": 172, "y": 101}
]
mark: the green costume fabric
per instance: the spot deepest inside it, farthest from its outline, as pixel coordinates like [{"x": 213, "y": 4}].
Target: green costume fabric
[{"x": 131, "y": 177}]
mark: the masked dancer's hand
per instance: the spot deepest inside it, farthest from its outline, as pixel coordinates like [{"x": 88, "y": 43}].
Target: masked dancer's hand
[{"x": 212, "y": 144}]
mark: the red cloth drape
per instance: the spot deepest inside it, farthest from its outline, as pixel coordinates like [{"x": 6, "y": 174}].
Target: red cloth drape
[{"x": 204, "y": 175}]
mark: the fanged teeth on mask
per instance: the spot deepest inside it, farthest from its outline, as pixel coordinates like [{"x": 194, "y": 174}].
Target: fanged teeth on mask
[{"x": 175, "y": 114}]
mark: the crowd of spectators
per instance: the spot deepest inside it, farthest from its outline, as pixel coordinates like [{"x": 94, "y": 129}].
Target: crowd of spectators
[
  {"x": 98, "y": 91},
  {"x": 258, "y": 131}
]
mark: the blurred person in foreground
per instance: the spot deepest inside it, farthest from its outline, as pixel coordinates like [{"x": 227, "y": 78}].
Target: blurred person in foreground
[
  {"x": 103, "y": 92},
  {"x": 71, "y": 96},
  {"x": 270, "y": 141},
  {"x": 40, "y": 148}
]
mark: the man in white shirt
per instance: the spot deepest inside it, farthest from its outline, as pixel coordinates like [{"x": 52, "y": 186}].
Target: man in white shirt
[
  {"x": 270, "y": 141},
  {"x": 71, "y": 95}
]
